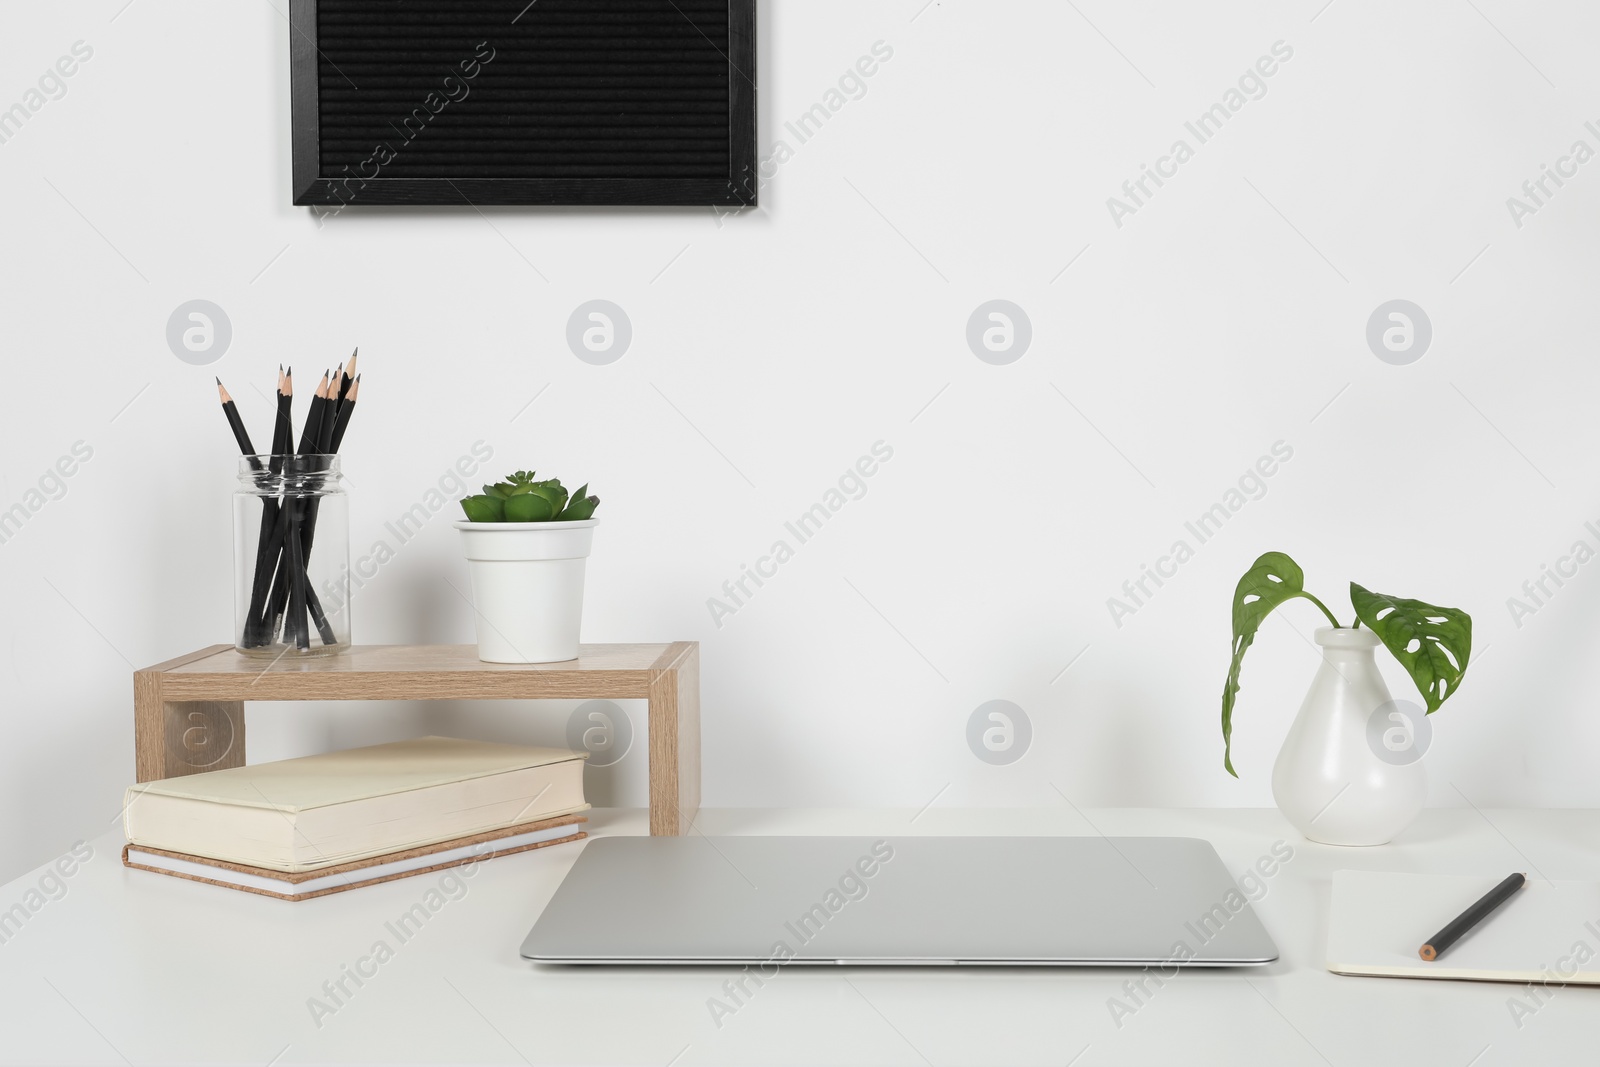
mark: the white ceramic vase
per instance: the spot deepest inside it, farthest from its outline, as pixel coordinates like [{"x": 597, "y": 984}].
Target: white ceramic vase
[
  {"x": 527, "y": 587},
  {"x": 1330, "y": 780}
]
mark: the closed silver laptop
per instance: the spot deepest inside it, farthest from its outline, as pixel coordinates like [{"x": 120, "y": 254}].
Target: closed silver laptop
[{"x": 1070, "y": 901}]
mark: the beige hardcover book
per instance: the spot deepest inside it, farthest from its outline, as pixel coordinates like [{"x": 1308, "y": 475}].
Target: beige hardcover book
[
  {"x": 319, "y": 883},
  {"x": 340, "y": 807}
]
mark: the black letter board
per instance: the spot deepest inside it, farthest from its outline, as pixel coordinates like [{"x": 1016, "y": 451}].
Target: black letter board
[{"x": 517, "y": 102}]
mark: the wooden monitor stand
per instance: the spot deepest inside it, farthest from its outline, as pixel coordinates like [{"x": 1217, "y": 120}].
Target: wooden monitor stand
[{"x": 189, "y": 712}]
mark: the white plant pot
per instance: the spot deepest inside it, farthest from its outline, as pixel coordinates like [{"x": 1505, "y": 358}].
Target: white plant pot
[
  {"x": 1330, "y": 780},
  {"x": 527, "y": 587}
]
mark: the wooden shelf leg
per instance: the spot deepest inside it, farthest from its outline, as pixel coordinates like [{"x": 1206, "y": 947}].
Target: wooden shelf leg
[
  {"x": 674, "y": 725},
  {"x": 175, "y": 738}
]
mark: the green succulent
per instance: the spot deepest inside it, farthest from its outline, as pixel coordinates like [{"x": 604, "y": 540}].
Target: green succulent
[
  {"x": 522, "y": 498},
  {"x": 487, "y": 508}
]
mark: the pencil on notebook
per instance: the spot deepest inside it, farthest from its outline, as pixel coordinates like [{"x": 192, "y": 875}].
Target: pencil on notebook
[{"x": 1462, "y": 924}]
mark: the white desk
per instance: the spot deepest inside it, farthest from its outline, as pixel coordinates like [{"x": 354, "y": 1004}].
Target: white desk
[{"x": 128, "y": 966}]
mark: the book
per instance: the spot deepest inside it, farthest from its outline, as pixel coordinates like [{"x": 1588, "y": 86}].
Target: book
[
  {"x": 319, "y": 883},
  {"x": 340, "y": 807},
  {"x": 1549, "y": 932}
]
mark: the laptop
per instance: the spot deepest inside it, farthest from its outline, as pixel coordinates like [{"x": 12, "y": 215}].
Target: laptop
[{"x": 894, "y": 901}]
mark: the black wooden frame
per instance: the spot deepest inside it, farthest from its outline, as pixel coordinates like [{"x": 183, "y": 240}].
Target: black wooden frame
[{"x": 737, "y": 189}]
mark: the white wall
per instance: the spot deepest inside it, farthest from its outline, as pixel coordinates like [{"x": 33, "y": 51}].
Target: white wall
[{"x": 1228, "y": 313}]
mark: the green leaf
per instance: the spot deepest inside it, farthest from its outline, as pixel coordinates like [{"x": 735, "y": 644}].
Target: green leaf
[
  {"x": 1432, "y": 643},
  {"x": 581, "y": 508},
  {"x": 484, "y": 508},
  {"x": 552, "y": 492},
  {"x": 499, "y": 489},
  {"x": 529, "y": 507},
  {"x": 1272, "y": 579}
]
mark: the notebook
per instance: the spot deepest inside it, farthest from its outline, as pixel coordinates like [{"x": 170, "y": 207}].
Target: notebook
[
  {"x": 340, "y": 807},
  {"x": 336, "y": 879},
  {"x": 1548, "y": 932}
]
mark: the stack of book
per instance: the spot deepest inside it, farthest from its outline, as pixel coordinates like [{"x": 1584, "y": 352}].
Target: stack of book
[{"x": 307, "y": 827}]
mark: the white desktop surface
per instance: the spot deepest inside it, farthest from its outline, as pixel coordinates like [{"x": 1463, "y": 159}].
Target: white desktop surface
[{"x": 133, "y": 967}]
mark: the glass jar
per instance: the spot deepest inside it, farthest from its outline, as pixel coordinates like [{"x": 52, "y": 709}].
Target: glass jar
[{"x": 291, "y": 557}]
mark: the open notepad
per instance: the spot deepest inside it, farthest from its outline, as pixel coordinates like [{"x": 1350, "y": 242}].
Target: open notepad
[{"x": 1547, "y": 932}]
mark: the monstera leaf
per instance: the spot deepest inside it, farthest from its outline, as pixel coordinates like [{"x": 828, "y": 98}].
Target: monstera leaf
[
  {"x": 1271, "y": 580},
  {"x": 1433, "y": 644}
]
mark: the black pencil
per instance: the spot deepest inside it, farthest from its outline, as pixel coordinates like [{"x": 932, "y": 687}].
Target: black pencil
[
  {"x": 292, "y": 595},
  {"x": 330, "y": 415},
  {"x": 240, "y": 434},
  {"x": 283, "y": 428},
  {"x": 309, "y": 509},
  {"x": 311, "y": 434},
  {"x": 241, "y": 437},
  {"x": 272, "y": 604},
  {"x": 247, "y": 449},
  {"x": 266, "y": 554},
  {"x": 317, "y": 430},
  {"x": 294, "y": 623},
  {"x": 348, "y": 377},
  {"x": 290, "y": 578},
  {"x": 1440, "y": 942},
  {"x": 347, "y": 408}
]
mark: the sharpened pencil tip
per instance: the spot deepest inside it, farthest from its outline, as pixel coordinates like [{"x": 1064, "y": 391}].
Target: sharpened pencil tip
[{"x": 222, "y": 391}]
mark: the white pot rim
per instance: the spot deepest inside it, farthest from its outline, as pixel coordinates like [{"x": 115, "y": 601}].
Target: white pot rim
[{"x": 524, "y": 527}]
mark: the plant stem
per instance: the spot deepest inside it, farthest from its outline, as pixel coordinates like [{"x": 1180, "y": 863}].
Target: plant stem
[
  {"x": 1356, "y": 625},
  {"x": 1324, "y": 608}
]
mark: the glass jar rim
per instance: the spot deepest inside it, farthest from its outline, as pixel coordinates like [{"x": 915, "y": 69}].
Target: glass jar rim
[
  {"x": 295, "y": 473},
  {"x": 309, "y": 462}
]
